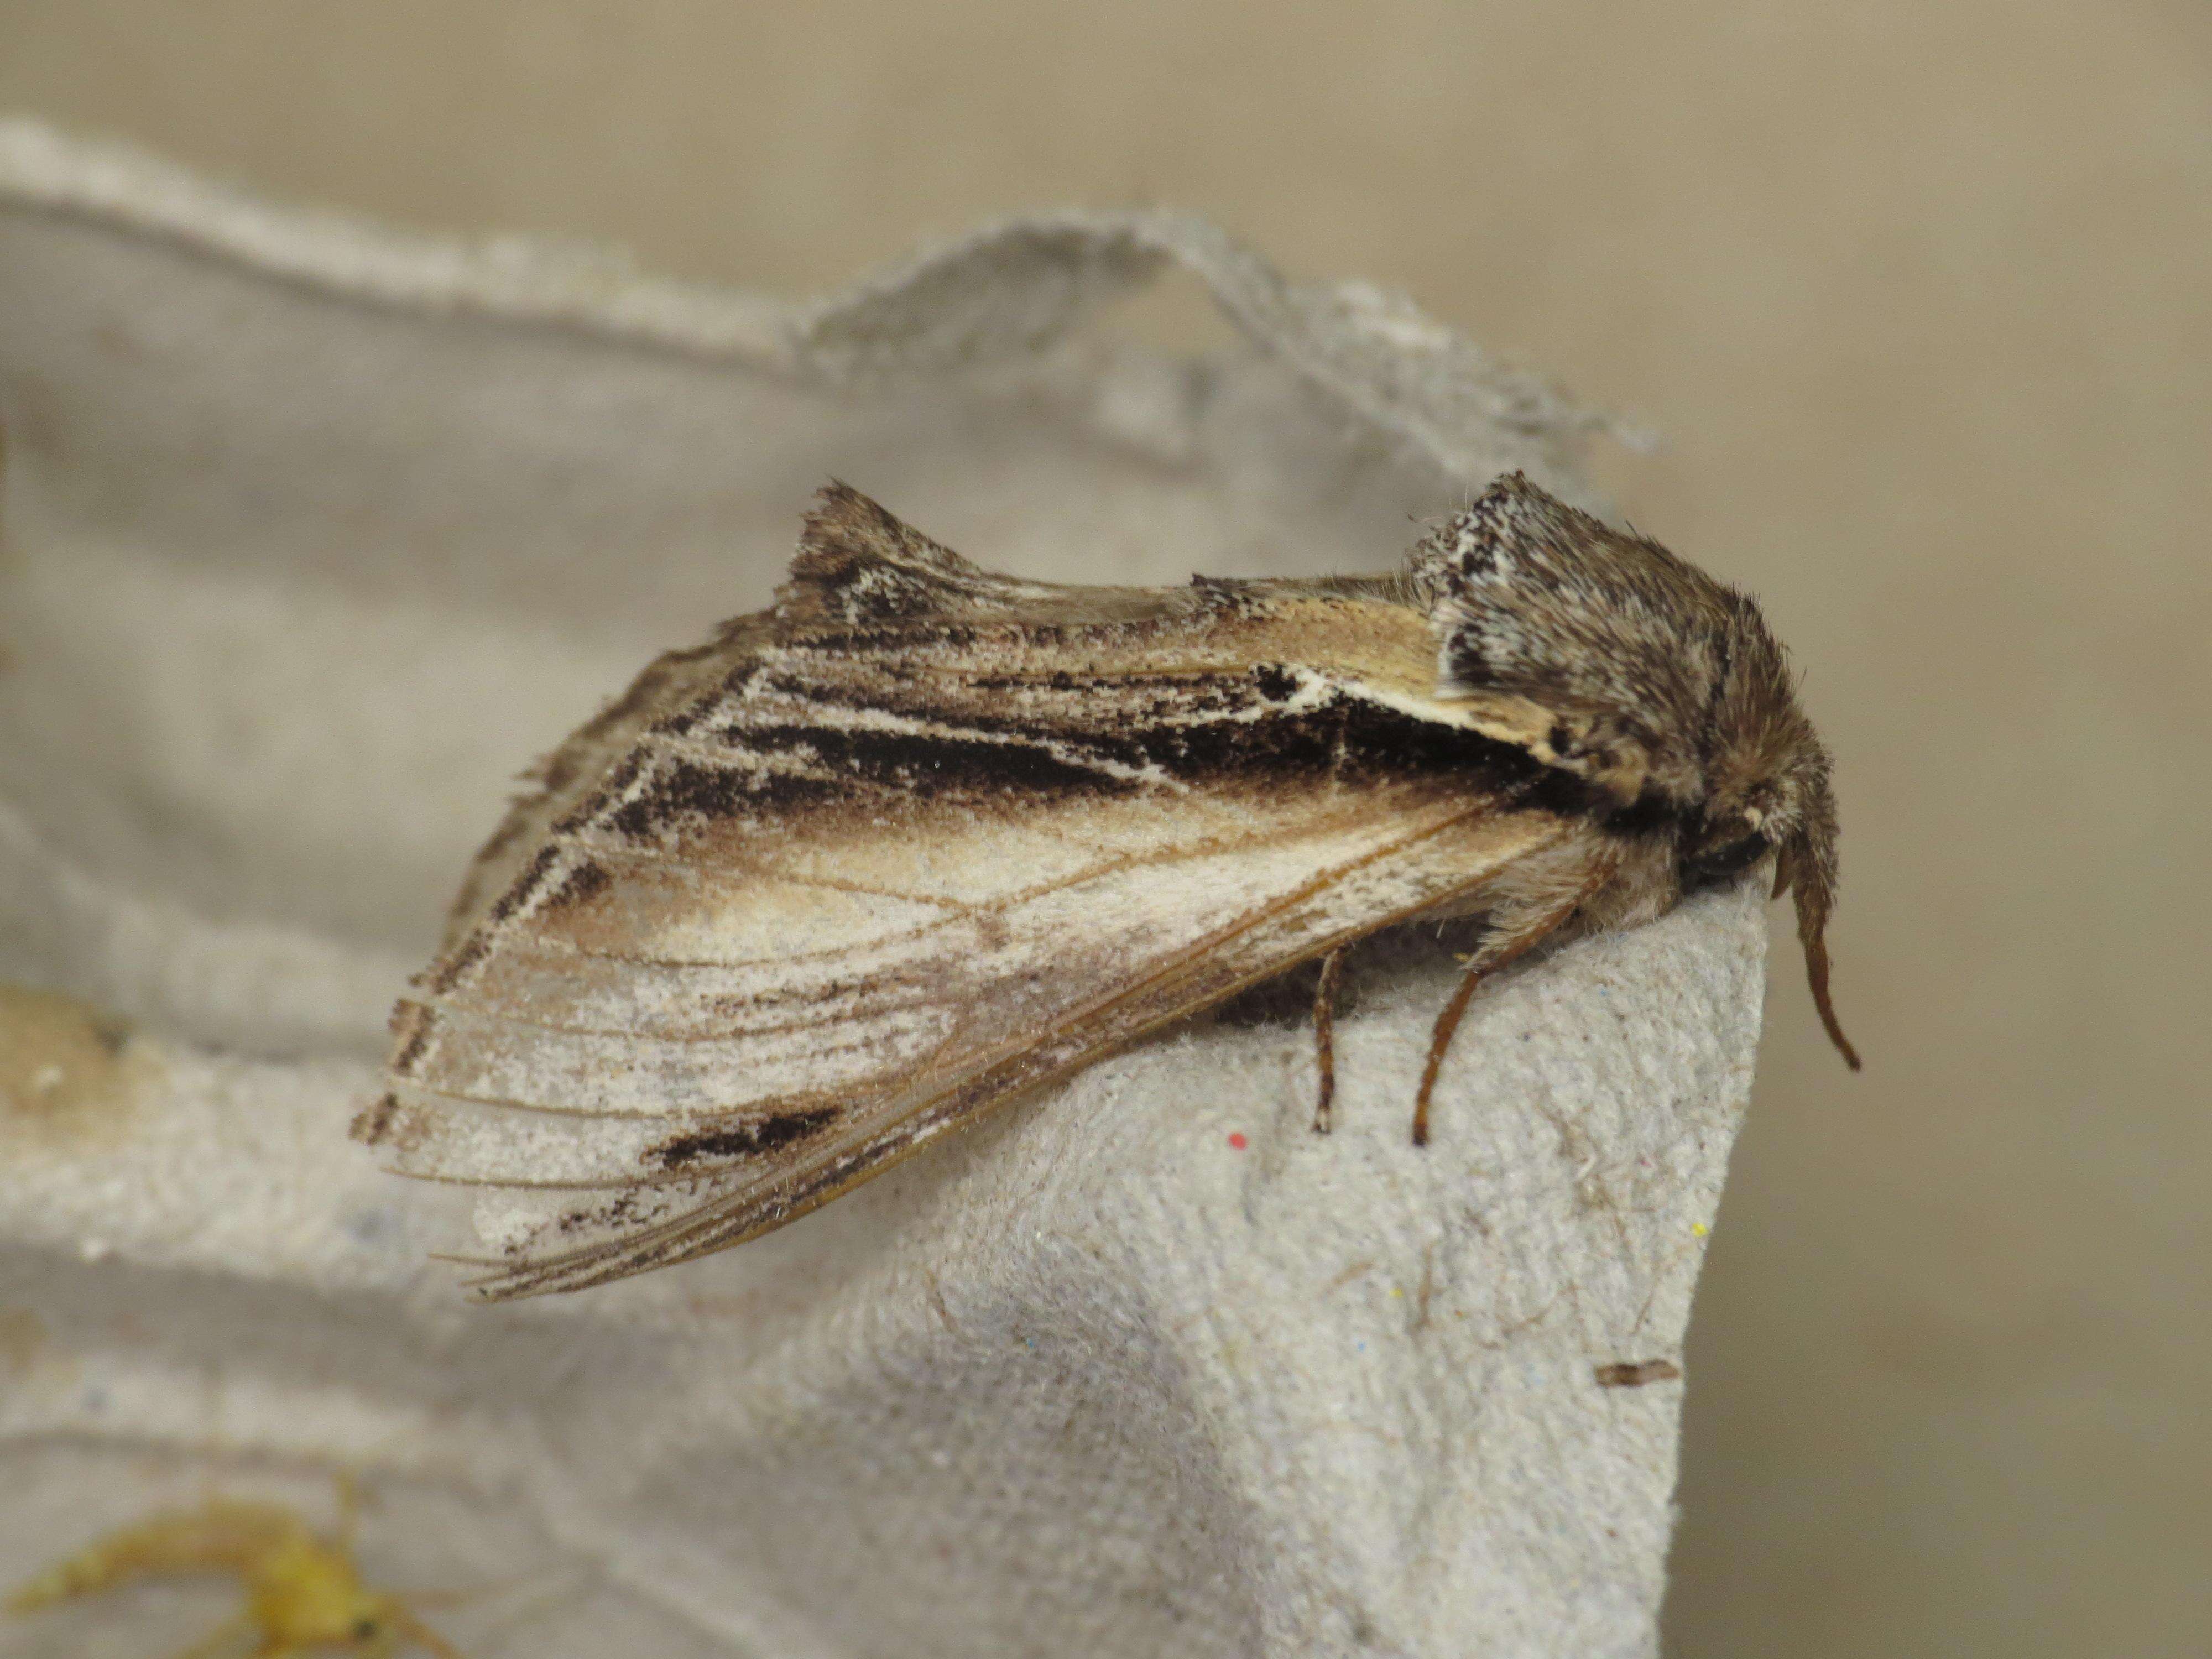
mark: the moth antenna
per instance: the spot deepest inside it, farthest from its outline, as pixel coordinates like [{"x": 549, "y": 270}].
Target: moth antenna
[
  {"x": 1812, "y": 895},
  {"x": 1816, "y": 974}
]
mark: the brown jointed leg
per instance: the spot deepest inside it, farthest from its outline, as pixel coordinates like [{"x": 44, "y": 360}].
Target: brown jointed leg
[
  {"x": 1439, "y": 1040},
  {"x": 1486, "y": 961},
  {"x": 1324, "y": 1038}
]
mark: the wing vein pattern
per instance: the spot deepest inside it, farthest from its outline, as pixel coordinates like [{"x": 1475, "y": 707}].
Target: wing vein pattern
[{"x": 917, "y": 841}]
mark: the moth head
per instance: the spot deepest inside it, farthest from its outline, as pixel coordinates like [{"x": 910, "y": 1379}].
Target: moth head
[{"x": 1608, "y": 658}]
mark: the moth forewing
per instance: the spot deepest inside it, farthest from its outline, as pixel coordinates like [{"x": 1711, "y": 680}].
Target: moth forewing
[
  {"x": 743, "y": 1171},
  {"x": 922, "y": 839}
]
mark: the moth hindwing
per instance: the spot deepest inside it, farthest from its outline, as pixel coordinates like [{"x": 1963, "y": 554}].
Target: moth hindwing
[{"x": 920, "y": 838}]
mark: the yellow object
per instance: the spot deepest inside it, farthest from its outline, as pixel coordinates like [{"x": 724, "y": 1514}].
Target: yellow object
[{"x": 304, "y": 1594}]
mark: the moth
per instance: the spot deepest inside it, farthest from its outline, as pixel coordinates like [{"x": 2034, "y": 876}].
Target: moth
[{"x": 921, "y": 838}]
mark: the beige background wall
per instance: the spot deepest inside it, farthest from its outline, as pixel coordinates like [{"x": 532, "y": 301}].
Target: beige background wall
[{"x": 1917, "y": 295}]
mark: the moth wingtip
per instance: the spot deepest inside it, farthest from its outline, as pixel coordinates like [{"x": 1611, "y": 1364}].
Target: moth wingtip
[
  {"x": 842, "y": 524},
  {"x": 836, "y": 502},
  {"x": 1825, "y": 1007}
]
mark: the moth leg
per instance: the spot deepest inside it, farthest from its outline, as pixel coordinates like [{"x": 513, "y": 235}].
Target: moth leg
[
  {"x": 1501, "y": 951},
  {"x": 1440, "y": 1039},
  {"x": 1324, "y": 1016}
]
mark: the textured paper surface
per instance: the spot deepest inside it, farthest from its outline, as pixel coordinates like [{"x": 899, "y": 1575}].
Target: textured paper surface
[{"x": 315, "y": 535}]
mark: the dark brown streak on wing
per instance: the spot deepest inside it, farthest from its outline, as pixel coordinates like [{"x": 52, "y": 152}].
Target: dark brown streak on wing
[
  {"x": 743, "y": 1139},
  {"x": 1250, "y": 732}
]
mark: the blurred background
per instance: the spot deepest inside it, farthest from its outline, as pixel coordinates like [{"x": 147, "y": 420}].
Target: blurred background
[{"x": 1915, "y": 296}]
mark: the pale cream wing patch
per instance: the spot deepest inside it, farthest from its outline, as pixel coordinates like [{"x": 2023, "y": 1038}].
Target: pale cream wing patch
[{"x": 706, "y": 1048}]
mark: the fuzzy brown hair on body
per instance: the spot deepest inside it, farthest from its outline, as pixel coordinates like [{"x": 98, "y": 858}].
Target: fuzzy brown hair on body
[{"x": 923, "y": 838}]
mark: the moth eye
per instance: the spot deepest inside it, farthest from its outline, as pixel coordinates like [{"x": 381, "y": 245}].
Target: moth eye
[{"x": 1710, "y": 866}]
